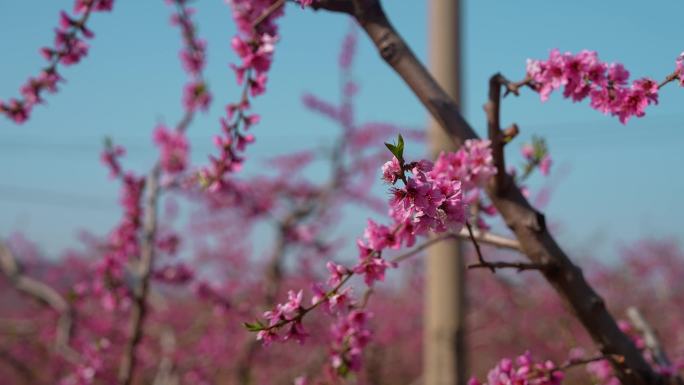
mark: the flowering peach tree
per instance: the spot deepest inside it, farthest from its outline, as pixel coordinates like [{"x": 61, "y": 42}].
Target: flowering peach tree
[{"x": 164, "y": 301}]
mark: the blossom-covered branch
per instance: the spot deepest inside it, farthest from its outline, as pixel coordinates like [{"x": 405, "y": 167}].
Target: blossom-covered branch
[
  {"x": 173, "y": 160},
  {"x": 429, "y": 200},
  {"x": 69, "y": 48},
  {"x": 583, "y": 75},
  {"x": 254, "y": 45}
]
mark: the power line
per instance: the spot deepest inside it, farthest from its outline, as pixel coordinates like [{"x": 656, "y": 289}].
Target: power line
[{"x": 55, "y": 198}]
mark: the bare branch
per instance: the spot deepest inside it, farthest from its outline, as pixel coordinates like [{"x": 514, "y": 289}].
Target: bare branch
[
  {"x": 491, "y": 239},
  {"x": 579, "y": 362},
  {"x": 18, "y": 326},
  {"x": 493, "y": 109},
  {"x": 342, "y": 6},
  {"x": 44, "y": 294},
  {"x": 520, "y": 266},
  {"x": 483, "y": 237},
  {"x": 480, "y": 257},
  {"x": 651, "y": 340},
  {"x": 422, "y": 247}
]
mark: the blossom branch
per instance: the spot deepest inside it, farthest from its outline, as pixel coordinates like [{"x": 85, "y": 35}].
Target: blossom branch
[
  {"x": 527, "y": 223},
  {"x": 196, "y": 95},
  {"x": 69, "y": 48},
  {"x": 494, "y": 240},
  {"x": 144, "y": 269},
  {"x": 274, "y": 277},
  {"x": 302, "y": 310}
]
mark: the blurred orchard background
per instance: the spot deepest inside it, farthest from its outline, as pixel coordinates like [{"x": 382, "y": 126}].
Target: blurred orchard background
[{"x": 612, "y": 199}]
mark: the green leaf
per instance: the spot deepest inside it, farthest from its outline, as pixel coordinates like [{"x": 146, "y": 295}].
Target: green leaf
[
  {"x": 253, "y": 327},
  {"x": 391, "y": 147},
  {"x": 398, "y": 149},
  {"x": 400, "y": 145}
]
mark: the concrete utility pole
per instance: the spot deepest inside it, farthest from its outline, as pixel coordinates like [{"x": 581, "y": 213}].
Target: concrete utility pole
[{"x": 445, "y": 307}]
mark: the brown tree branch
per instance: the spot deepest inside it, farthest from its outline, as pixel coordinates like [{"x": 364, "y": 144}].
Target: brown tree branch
[
  {"x": 487, "y": 238},
  {"x": 342, "y": 6},
  {"x": 480, "y": 257},
  {"x": 493, "y": 109},
  {"x": 44, "y": 294},
  {"x": 268, "y": 12},
  {"x": 145, "y": 264},
  {"x": 482, "y": 237},
  {"x": 583, "y": 361},
  {"x": 527, "y": 223},
  {"x": 144, "y": 270},
  {"x": 520, "y": 266}
]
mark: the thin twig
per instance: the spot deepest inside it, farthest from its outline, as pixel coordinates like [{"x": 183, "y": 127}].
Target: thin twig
[
  {"x": 520, "y": 266},
  {"x": 514, "y": 87},
  {"x": 268, "y": 12},
  {"x": 482, "y": 237},
  {"x": 477, "y": 247},
  {"x": 490, "y": 239},
  {"x": 404, "y": 256},
  {"x": 583, "y": 361},
  {"x": 670, "y": 78}
]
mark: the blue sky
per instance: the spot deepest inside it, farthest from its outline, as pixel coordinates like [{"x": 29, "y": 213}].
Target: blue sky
[{"x": 624, "y": 181}]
